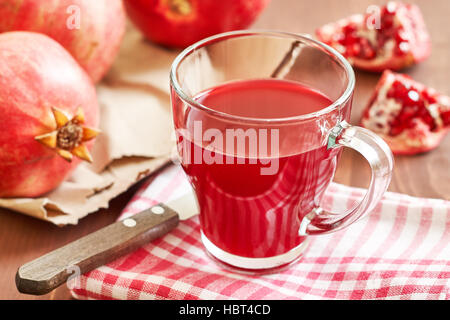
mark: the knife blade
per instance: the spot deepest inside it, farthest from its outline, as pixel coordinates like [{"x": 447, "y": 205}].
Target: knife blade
[{"x": 48, "y": 272}]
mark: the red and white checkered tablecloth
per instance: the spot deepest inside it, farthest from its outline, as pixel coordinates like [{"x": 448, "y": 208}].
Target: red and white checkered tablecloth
[{"x": 400, "y": 251}]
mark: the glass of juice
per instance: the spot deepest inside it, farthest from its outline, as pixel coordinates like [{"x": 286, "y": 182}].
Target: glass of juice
[{"x": 261, "y": 119}]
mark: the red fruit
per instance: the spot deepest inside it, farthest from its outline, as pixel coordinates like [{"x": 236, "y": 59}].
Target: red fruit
[
  {"x": 400, "y": 40},
  {"x": 46, "y": 99},
  {"x": 180, "y": 23},
  {"x": 410, "y": 117},
  {"x": 91, "y": 30}
]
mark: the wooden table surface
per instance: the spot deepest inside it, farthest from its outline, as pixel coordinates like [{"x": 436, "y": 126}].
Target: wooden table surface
[{"x": 23, "y": 239}]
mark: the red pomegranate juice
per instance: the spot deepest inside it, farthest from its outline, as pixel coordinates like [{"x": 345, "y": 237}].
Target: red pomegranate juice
[{"x": 243, "y": 211}]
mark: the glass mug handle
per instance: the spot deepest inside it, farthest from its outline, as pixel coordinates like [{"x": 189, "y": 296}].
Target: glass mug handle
[{"x": 381, "y": 161}]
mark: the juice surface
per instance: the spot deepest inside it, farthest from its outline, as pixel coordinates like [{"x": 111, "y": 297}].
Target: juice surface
[{"x": 264, "y": 99}]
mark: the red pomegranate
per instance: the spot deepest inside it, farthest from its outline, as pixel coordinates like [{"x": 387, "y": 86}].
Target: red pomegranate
[
  {"x": 410, "y": 117},
  {"x": 180, "y": 23},
  {"x": 391, "y": 37},
  {"x": 90, "y": 30},
  {"x": 48, "y": 107}
]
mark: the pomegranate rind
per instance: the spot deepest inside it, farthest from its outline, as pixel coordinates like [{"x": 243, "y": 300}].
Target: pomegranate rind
[
  {"x": 162, "y": 21},
  {"x": 412, "y": 143},
  {"x": 91, "y": 30}
]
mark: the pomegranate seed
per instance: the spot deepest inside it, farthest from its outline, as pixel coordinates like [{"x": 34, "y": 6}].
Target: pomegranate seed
[
  {"x": 446, "y": 118},
  {"x": 401, "y": 36},
  {"x": 409, "y": 111},
  {"x": 349, "y": 29},
  {"x": 429, "y": 98},
  {"x": 395, "y": 131},
  {"x": 395, "y": 122},
  {"x": 398, "y": 91},
  {"x": 422, "y": 112},
  {"x": 354, "y": 50},
  {"x": 403, "y": 117},
  {"x": 428, "y": 119},
  {"x": 391, "y": 7},
  {"x": 413, "y": 96},
  {"x": 411, "y": 124},
  {"x": 387, "y": 22},
  {"x": 403, "y": 47}
]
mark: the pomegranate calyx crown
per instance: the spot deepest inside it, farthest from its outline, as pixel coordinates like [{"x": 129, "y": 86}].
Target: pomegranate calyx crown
[
  {"x": 181, "y": 7},
  {"x": 69, "y": 136}
]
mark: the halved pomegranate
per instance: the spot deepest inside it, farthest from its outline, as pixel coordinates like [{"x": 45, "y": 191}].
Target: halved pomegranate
[
  {"x": 409, "y": 116},
  {"x": 393, "y": 37}
]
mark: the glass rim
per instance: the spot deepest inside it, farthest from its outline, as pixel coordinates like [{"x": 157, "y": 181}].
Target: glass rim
[{"x": 342, "y": 100}]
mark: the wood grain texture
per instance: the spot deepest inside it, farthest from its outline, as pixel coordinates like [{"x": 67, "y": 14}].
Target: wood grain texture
[{"x": 23, "y": 239}]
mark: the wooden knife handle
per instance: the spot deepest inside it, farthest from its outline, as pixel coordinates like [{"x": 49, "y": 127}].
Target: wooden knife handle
[{"x": 48, "y": 272}]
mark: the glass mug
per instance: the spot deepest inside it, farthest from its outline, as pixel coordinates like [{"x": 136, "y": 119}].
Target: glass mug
[{"x": 258, "y": 208}]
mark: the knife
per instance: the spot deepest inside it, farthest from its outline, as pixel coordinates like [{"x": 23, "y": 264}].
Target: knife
[{"x": 48, "y": 272}]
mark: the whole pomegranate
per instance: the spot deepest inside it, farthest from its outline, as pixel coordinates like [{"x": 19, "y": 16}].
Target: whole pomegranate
[
  {"x": 392, "y": 37},
  {"x": 180, "y": 23},
  {"x": 48, "y": 106},
  {"x": 411, "y": 117},
  {"x": 91, "y": 30}
]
